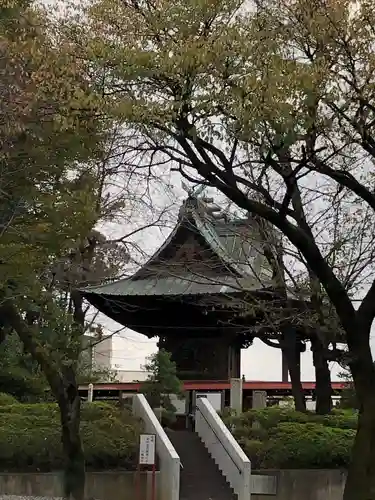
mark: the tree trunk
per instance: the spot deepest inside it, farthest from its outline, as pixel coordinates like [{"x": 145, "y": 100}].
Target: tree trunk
[
  {"x": 323, "y": 386},
  {"x": 292, "y": 353},
  {"x": 360, "y": 484},
  {"x": 62, "y": 381},
  {"x": 74, "y": 472}
]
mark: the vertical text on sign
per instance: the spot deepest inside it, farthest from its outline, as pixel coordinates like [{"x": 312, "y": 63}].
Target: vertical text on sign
[{"x": 147, "y": 449}]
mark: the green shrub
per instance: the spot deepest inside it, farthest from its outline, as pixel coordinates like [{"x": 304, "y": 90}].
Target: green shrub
[
  {"x": 31, "y": 410},
  {"x": 96, "y": 411},
  {"x": 7, "y": 399},
  {"x": 89, "y": 411},
  {"x": 255, "y": 450},
  {"x": 270, "y": 417},
  {"x": 249, "y": 432},
  {"x": 30, "y": 437},
  {"x": 294, "y": 445},
  {"x": 281, "y": 437},
  {"x": 342, "y": 419}
]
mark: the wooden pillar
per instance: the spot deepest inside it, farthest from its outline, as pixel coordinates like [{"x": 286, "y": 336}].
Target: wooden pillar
[
  {"x": 234, "y": 352},
  {"x": 284, "y": 368}
]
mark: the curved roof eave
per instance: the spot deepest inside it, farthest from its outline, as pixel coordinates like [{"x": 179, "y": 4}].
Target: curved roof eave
[{"x": 188, "y": 215}]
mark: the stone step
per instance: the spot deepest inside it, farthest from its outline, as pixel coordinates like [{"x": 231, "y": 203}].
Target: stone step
[{"x": 201, "y": 479}]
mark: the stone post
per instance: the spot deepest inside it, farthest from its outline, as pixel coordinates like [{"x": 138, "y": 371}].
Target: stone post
[
  {"x": 90, "y": 393},
  {"x": 236, "y": 394},
  {"x": 259, "y": 399}
]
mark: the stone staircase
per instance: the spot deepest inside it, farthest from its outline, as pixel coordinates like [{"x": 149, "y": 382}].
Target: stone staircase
[{"x": 200, "y": 477}]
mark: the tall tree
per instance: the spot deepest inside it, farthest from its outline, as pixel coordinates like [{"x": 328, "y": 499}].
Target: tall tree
[
  {"x": 60, "y": 171},
  {"x": 47, "y": 131},
  {"x": 270, "y": 105},
  {"x": 162, "y": 382}
]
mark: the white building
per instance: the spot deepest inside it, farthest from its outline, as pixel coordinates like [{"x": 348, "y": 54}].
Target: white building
[
  {"x": 99, "y": 355},
  {"x": 131, "y": 375},
  {"x": 102, "y": 352}
]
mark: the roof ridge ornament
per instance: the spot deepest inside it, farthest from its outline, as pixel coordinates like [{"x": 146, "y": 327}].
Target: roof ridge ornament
[
  {"x": 193, "y": 192},
  {"x": 208, "y": 205}
]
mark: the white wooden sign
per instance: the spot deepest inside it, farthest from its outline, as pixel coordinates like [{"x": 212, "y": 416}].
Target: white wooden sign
[
  {"x": 147, "y": 449},
  {"x": 215, "y": 398}
]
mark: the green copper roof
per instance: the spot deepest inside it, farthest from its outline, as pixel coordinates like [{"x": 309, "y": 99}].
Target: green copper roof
[
  {"x": 237, "y": 244},
  {"x": 187, "y": 285}
]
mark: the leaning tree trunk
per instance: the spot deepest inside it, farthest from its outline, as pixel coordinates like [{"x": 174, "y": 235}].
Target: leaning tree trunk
[
  {"x": 70, "y": 413},
  {"x": 65, "y": 389},
  {"x": 290, "y": 347},
  {"x": 323, "y": 386}
]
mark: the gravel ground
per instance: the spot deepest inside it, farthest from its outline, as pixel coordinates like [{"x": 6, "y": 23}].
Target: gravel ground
[
  {"x": 17, "y": 497},
  {"x": 28, "y": 497}
]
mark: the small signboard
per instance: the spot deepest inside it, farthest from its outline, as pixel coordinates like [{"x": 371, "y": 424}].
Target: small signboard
[
  {"x": 215, "y": 398},
  {"x": 147, "y": 449}
]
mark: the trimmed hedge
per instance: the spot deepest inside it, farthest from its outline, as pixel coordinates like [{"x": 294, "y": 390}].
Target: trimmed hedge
[
  {"x": 7, "y": 399},
  {"x": 30, "y": 437},
  {"x": 283, "y": 438}
]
